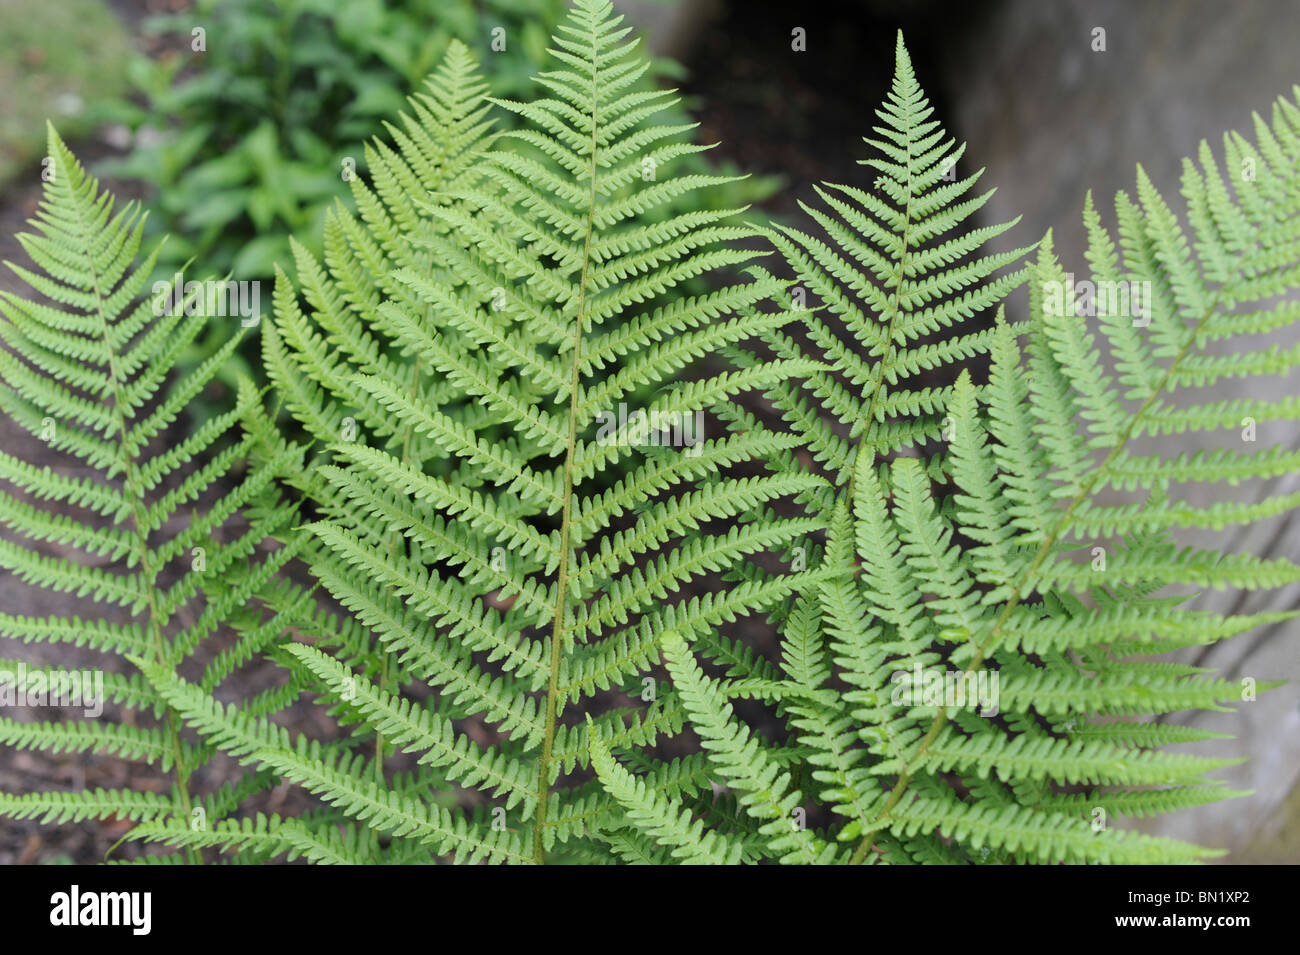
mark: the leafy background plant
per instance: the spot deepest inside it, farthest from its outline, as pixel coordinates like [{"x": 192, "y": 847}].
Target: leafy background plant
[
  {"x": 60, "y": 80},
  {"x": 244, "y": 140}
]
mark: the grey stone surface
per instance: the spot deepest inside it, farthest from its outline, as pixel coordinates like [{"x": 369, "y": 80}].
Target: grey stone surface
[{"x": 670, "y": 26}]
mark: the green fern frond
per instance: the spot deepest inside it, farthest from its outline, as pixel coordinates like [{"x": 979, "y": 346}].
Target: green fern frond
[
  {"x": 494, "y": 521},
  {"x": 128, "y": 516},
  {"x": 892, "y": 266},
  {"x": 538, "y": 574},
  {"x": 982, "y": 597}
]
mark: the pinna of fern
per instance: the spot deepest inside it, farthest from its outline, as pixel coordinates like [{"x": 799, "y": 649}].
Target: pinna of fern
[
  {"x": 507, "y": 553},
  {"x": 1001, "y": 555},
  {"x": 168, "y": 544}
]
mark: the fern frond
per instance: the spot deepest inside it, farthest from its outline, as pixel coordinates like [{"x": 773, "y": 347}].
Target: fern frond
[
  {"x": 89, "y": 377},
  {"x": 891, "y": 266},
  {"x": 976, "y": 563},
  {"x": 493, "y": 515}
]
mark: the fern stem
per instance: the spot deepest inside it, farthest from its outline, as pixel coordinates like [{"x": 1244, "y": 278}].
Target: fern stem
[
  {"x": 891, "y": 347},
  {"x": 566, "y": 523},
  {"x": 148, "y": 573}
]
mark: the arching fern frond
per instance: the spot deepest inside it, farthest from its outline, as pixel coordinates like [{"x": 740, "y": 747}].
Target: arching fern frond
[
  {"x": 173, "y": 542},
  {"x": 530, "y": 491},
  {"x": 993, "y": 608}
]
